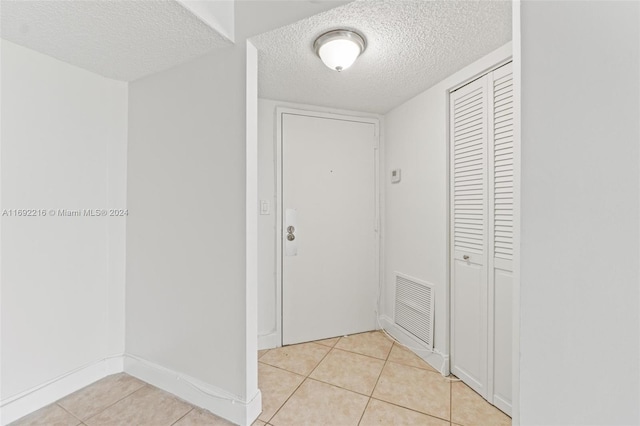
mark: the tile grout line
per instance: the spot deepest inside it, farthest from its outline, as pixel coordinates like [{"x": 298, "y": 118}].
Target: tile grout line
[
  {"x": 450, "y": 401},
  {"x": 429, "y": 368},
  {"x": 68, "y": 412},
  {"x": 329, "y": 383},
  {"x": 419, "y": 368},
  {"x": 360, "y": 353},
  {"x": 401, "y": 406},
  {"x": 378, "y": 379},
  {"x": 411, "y": 409},
  {"x": 283, "y": 369},
  {"x": 297, "y": 387},
  {"x": 185, "y": 415},
  {"x": 294, "y": 372},
  {"x": 339, "y": 387},
  {"x": 376, "y": 384},
  {"x": 304, "y": 380},
  {"x": 332, "y": 346},
  {"x": 364, "y": 411},
  {"x": 285, "y": 401},
  {"x": 320, "y": 362},
  {"x": 121, "y": 399}
]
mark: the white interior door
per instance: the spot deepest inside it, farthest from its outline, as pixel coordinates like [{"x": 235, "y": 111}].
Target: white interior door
[
  {"x": 501, "y": 165},
  {"x": 329, "y": 256},
  {"x": 469, "y": 334}
]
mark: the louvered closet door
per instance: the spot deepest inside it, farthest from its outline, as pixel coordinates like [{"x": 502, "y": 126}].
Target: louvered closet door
[
  {"x": 501, "y": 165},
  {"x": 469, "y": 191}
]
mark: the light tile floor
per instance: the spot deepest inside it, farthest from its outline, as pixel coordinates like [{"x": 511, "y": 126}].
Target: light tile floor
[
  {"x": 364, "y": 379},
  {"x": 121, "y": 400}
]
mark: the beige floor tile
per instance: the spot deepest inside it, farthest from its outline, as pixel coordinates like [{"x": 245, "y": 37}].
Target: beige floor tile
[
  {"x": 94, "y": 398},
  {"x": 401, "y": 355},
  {"x": 355, "y": 372},
  {"x": 374, "y": 344},
  {"x": 148, "y": 406},
  {"x": 328, "y": 342},
  {"x": 258, "y": 423},
  {"x": 383, "y": 413},
  {"x": 262, "y": 352},
  {"x": 470, "y": 409},
  {"x": 51, "y": 415},
  {"x": 276, "y": 386},
  {"x": 316, "y": 403},
  {"x": 300, "y": 359},
  {"x": 200, "y": 417},
  {"x": 414, "y": 388}
]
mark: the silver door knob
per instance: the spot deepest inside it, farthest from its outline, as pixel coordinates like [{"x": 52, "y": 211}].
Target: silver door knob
[
  {"x": 290, "y": 231},
  {"x": 465, "y": 257}
]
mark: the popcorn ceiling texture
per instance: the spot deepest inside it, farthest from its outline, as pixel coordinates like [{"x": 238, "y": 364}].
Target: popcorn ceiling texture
[
  {"x": 123, "y": 40},
  {"x": 412, "y": 45}
]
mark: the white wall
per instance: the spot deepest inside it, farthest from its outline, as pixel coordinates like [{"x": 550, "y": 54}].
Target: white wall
[
  {"x": 415, "y": 230},
  {"x": 580, "y": 222},
  {"x": 186, "y": 229},
  {"x": 64, "y": 134}
]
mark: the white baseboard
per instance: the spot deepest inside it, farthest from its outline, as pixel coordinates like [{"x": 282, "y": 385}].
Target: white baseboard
[
  {"x": 502, "y": 404},
  {"x": 433, "y": 359},
  {"x": 26, "y": 402},
  {"x": 269, "y": 341},
  {"x": 218, "y": 401}
]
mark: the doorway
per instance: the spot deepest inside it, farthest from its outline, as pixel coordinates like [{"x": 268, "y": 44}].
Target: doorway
[{"x": 328, "y": 230}]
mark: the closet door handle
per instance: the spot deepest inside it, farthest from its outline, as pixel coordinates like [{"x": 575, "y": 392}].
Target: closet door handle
[{"x": 465, "y": 257}]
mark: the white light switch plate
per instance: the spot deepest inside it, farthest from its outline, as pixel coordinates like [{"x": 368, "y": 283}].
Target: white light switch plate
[
  {"x": 264, "y": 207},
  {"x": 395, "y": 176}
]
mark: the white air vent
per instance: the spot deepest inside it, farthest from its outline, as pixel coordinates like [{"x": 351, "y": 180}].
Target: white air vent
[{"x": 414, "y": 308}]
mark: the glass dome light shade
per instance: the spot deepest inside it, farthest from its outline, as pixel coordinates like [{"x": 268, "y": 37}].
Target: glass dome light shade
[{"x": 339, "y": 49}]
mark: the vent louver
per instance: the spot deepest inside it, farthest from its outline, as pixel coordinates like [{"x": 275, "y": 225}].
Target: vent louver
[{"x": 414, "y": 308}]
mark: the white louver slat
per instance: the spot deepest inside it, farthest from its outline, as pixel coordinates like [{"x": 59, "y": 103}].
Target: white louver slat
[
  {"x": 469, "y": 139},
  {"x": 503, "y": 167}
]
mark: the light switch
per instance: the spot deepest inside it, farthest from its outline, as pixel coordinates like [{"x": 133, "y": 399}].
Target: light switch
[
  {"x": 395, "y": 176},
  {"x": 264, "y": 207}
]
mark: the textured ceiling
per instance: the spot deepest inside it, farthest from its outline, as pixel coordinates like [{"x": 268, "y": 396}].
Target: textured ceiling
[
  {"x": 123, "y": 40},
  {"x": 412, "y": 45}
]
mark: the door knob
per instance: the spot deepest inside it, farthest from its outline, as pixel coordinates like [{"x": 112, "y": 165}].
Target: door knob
[
  {"x": 290, "y": 231},
  {"x": 465, "y": 257}
]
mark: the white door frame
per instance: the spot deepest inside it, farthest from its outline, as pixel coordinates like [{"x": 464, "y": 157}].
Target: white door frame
[{"x": 278, "y": 204}]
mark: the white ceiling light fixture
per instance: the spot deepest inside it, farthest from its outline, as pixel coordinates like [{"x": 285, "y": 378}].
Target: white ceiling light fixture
[{"x": 339, "y": 49}]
